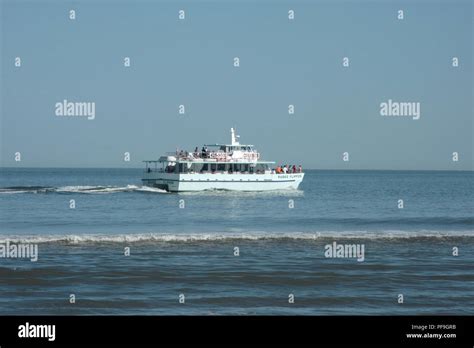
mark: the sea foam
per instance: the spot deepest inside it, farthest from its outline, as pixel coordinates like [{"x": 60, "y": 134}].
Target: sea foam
[{"x": 224, "y": 236}]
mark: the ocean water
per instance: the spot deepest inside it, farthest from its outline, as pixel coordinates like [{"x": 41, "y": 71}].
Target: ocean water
[{"x": 184, "y": 244}]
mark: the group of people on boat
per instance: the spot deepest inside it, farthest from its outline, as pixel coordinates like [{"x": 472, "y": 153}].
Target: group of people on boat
[
  {"x": 204, "y": 153},
  {"x": 287, "y": 169}
]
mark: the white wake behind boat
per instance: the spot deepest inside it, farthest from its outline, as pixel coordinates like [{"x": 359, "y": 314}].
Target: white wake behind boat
[{"x": 231, "y": 166}]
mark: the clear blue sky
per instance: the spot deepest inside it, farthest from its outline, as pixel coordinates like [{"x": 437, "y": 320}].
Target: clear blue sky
[{"x": 283, "y": 62}]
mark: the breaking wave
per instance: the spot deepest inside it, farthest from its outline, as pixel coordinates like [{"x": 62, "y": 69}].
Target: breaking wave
[{"x": 223, "y": 237}]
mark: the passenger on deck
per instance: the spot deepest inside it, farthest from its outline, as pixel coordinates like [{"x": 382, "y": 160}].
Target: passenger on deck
[
  {"x": 294, "y": 168},
  {"x": 285, "y": 169},
  {"x": 300, "y": 169},
  {"x": 278, "y": 170}
]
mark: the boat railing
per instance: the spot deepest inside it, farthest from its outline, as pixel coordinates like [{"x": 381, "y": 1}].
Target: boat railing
[
  {"x": 149, "y": 169},
  {"x": 268, "y": 171}
]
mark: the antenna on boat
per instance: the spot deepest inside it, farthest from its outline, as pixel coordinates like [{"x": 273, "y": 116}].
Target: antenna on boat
[{"x": 234, "y": 137}]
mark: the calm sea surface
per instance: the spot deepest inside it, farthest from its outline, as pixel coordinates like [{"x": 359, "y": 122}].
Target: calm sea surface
[{"x": 281, "y": 236}]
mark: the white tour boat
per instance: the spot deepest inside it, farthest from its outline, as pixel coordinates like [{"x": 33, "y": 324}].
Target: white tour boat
[{"x": 231, "y": 166}]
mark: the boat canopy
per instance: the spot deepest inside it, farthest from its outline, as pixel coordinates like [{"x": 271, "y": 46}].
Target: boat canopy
[{"x": 167, "y": 159}]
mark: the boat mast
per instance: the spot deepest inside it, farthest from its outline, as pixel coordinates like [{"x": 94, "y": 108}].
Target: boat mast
[{"x": 234, "y": 137}]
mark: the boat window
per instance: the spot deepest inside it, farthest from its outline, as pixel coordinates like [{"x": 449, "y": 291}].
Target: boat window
[
  {"x": 196, "y": 167},
  {"x": 260, "y": 168}
]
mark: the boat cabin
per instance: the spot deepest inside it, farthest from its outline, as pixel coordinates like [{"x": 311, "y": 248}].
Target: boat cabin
[{"x": 169, "y": 164}]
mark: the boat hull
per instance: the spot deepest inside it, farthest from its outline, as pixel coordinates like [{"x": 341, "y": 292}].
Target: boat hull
[{"x": 222, "y": 181}]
